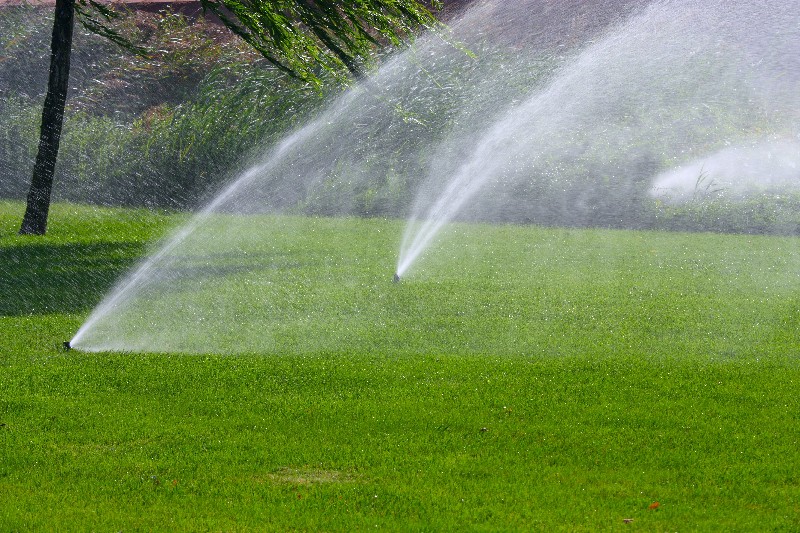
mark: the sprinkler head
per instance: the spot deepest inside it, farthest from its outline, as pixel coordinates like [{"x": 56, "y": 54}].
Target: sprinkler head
[
  {"x": 67, "y": 346},
  {"x": 396, "y": 277}
]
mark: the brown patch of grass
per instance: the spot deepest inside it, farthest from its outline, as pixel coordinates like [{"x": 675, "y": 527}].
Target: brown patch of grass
[{"x": 308, "y": 476}]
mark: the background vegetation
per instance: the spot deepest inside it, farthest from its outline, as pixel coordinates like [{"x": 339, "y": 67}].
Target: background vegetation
[
  {"x": 158, "y": 131},
  {"x": 169, "y": 132}
]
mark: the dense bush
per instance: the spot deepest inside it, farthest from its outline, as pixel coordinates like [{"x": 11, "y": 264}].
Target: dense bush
[{"x": 156, "y": 131}]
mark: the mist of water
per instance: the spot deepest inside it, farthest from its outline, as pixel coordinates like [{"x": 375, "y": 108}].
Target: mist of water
[
  {"x": 734, "y": 172},
  {"x": 677, "y": 81},
  {"x": 569, "y": 115},
  {"x": 150, "y": 271}
]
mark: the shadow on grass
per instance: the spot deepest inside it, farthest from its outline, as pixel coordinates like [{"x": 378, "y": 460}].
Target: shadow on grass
[
  {"x": 60, "y": 278},
  {"x": 73, "y": 278}
]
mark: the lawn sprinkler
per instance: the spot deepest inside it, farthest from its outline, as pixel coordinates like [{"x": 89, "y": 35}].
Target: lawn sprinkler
[
  {"x": 396, "y": 277},
  {"x": 67, "y": 346}
]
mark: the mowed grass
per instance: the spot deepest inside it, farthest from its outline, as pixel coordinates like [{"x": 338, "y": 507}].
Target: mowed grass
[{"x": 522, "y": 379}]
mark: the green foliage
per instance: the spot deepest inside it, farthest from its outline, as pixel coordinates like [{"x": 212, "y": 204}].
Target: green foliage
[
  {"x": 95, "y": 17},
  {"x": 205, "y": 139},
  {"x": 665, "y": 371},
  {"x": 297, "y": 36}
]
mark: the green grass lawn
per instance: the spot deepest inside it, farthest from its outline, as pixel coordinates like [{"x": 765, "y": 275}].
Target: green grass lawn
[{"x": 520, "y": 378}]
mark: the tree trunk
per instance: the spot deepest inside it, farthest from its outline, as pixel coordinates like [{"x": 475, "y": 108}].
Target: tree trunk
[{"x": 35, "y": 220}]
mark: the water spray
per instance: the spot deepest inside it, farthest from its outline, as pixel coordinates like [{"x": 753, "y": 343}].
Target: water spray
[{"x": 589, "y": 102}]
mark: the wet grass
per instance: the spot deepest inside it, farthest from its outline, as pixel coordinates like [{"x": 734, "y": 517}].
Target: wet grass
[{"x": 571, "y": 390}]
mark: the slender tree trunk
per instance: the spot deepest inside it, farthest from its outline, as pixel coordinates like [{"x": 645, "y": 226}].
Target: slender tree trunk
[{"x": 35, "y": 220}]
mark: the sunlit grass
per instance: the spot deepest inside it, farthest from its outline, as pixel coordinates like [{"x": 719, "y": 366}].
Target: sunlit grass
[
  {"x": 525, "y": 379},
  {"x": 278, "y": 285}
]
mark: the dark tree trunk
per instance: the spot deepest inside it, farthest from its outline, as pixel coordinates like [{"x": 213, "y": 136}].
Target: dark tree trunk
[{"x": 35, "y": 220}]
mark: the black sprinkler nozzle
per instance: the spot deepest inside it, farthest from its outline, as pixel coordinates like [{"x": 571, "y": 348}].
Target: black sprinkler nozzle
[
  {"x": 396, "y": 277},
  {"x": 67, "y": 346}
]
